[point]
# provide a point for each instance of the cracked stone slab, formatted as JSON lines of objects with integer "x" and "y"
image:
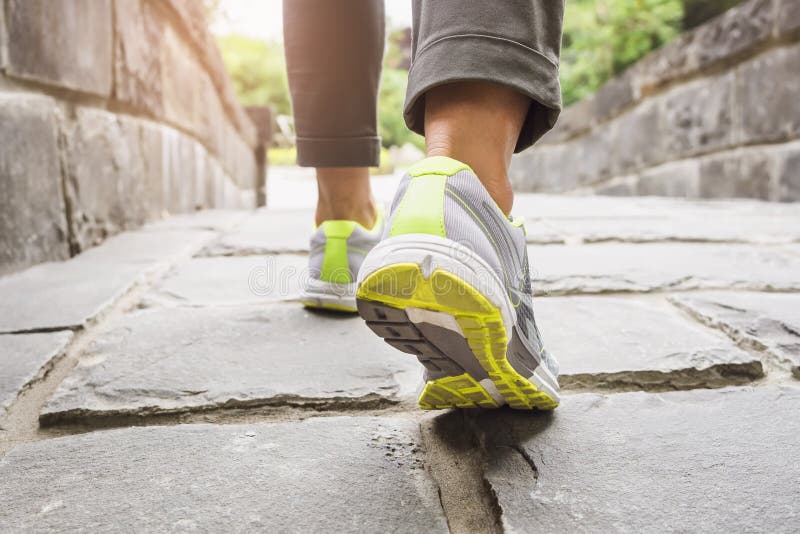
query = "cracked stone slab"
{"x": 338, "y": 474}
{"x": 764, "y": 321}
{"x": 264, "y": 232}
{"x": 694, "y": 461}
{"x": 228, "y": 280}
{"x": 26, "y": 358}
{"x": 71, "y": 293}
{"x": 173, "y": 360}
{"x": 638, "y": 343}
{"x": 647, "y": 267}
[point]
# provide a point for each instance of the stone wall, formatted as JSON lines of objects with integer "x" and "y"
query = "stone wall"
{"x": 716, "y": 113}
{"x": 113, "y": 113}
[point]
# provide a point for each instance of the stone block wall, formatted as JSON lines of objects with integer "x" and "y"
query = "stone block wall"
{"x": 113, "y": 113}
{"x": 715, "y": 113}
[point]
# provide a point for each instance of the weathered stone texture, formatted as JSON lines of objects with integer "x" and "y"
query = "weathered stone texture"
{"x": 338, "y": 474}
{"x": 736, "y": 174}
{"x": 638, "y": 140}
{"x": 183, "y": 81}
{"x": 33, "y": 227}
{"x": 107, "y": 187}
{"x": 692, "y": 225}
{"x": 234, "y": 280}
{"x": 735, "y": 32}
{"x": 68, "y": 44}
{"x": 69, "y": 294}
{"x": 611, "y": 267}
{"x": 788, "y": 174}
{"x": 3, "y": 40}
{"x": 677, "y": 179}
{"x": 137, "y": 62}
{"x": 24, "y": 358}
{"x": 264, "y": 232}
{"x": 788, "y": 16}
{"x": 699, "y": 117}
{"x": 767, "y": 96}
{"x": 768, "y": 322}
{"x": 636, "y": 462}
{"x": 231, "y": 357}
{"x": 614, "y": 97}
{"x": 637, "y": 344}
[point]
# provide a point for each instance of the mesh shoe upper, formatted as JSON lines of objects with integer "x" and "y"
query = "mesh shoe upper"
{"x": 338, "y": 248}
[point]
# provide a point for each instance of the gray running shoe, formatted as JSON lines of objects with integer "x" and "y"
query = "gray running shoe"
{"x": 449, "y": 283}
{"x": 337, "y": 250}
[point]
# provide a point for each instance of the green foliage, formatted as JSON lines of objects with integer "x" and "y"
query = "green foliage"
{"x": 258, "y": 70}
{"x": 603, "y": 37}
{"x": 390, "y": 110}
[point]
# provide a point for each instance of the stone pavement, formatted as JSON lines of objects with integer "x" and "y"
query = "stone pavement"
{"x": 167, "y": 380}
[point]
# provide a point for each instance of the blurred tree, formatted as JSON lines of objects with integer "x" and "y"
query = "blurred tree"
{"x": 390, "y": 110}
{"x": 398, "y": 49}
{"x": 258, "y": 70}
{"x": 603, "y": 37}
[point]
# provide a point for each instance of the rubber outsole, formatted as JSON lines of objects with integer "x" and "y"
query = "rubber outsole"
{"x": 329, "y": 296}
{"x": 384, "y": 297}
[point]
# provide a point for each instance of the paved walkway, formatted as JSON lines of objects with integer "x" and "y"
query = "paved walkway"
{"x": 167, "y": 381}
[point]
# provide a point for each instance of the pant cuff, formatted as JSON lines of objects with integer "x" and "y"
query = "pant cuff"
{"x": 339, "y": 151}
{"x": 492, "y": 59}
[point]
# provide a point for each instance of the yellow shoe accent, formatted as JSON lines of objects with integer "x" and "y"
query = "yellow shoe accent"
{"x": 402, "y": 285}
{"x": 461, "y": 391}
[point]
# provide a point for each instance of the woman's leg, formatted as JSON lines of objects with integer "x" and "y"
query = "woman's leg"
{"x": 334, "y": 52}
{"x": 484, "y": 81}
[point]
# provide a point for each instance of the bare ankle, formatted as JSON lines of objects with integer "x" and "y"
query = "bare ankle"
{"x": 477, "y": 123}
{"x": 345, "y": 194}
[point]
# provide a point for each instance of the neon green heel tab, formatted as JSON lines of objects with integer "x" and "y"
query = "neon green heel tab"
{"x": 439, "y": 165}
{"x": 421, "y": 211}
{"x": 335, "y": 268}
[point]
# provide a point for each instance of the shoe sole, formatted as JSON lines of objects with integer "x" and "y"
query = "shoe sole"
{"x": 387, "y": 295}
{"x": 323, "y": 295}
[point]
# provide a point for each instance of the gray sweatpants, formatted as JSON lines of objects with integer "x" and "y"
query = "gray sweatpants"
{"x": 334, "y": 50}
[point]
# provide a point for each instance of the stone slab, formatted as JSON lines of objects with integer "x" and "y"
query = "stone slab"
{"x": 217, "y": 220}
{"x": 137, "y": 55}
{"x": 233, "y": 280}
{"x": 25, "y": 358}
{"x": 690, "y": 225}
{"x": 699, "y": 117}
{"x": 3, "y": 40}
{"x": 647, "y": 219}
{"x": 647, "y": 267}
{"x": 105, "y": 188}
{"x": 71, "y": 293}
{"x": 341, "y": 474}
{"x": 768, "y": 322}
{"x": 787, "y": 183}
{"x": 766, "y": 101}
{"x": 67, "y": 44}
{"x": 33, "y": 227}
{"x": 266, "y": 231}
{"x": 637, "y": 343}
{"x": 700, "y": 461}
{"x": 172, "y": 360}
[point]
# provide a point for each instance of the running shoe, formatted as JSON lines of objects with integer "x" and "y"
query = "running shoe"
{"x": 337, "y": 250}
{"x": 449, "y": 283}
